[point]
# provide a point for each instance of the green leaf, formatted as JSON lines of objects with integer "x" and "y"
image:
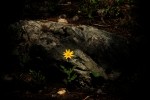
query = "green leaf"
{"x": 96, "y": 74}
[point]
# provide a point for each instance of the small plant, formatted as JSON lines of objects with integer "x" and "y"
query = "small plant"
{"x": 70, "y": 75}
{"x": 88, "y": 7}
{"x": 37, "y": 77}
{"x": 68, "y": 54}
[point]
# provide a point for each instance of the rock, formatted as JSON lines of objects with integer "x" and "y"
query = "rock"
{"x": 61, "y": 20}
{"x": 75, "y": 18}
{"x": 95, "y": 50}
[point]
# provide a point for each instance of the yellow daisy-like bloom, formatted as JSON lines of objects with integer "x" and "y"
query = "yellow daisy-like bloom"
{"x": 68, "y": 54}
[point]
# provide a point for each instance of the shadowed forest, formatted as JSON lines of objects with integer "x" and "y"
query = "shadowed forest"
{"x": 94, "y": 50}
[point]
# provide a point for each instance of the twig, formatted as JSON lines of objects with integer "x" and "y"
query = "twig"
{"x": 101, "y": 25}
{"x": 86, "y": 97}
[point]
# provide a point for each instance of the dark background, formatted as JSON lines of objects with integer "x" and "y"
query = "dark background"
{"x": 12, "y": 11}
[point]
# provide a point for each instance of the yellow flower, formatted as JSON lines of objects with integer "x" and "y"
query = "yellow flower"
{"x": 68, "y": 54}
